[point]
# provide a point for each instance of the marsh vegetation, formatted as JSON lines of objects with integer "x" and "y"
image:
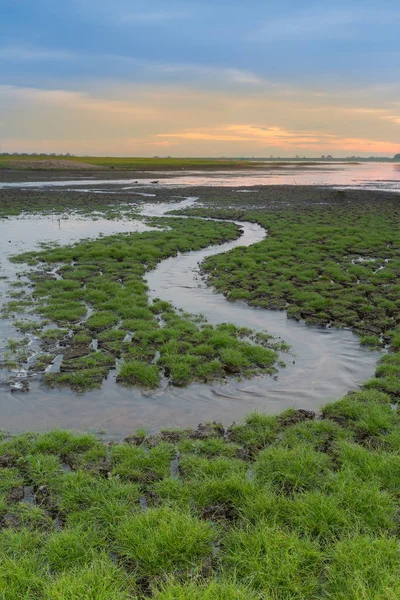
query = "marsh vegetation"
{"x": 277, "y": 507}
{"x": 15, "y": 202}
{"x": 335, "y": 265}
{"x": 96, "y": 313}
{"x": 37, "y": 163}
{"x": 290, "y": 507}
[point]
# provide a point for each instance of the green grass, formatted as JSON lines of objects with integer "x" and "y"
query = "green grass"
{"x": 281, "y": 507}
{"x": 72, "y": 547}
{"x": 274, "y": 507}
{"x": 336, "y": 264}
{"x": 274, "y": 562}
{"x": 85, "y": 379}
{"x": 213, "y": 590}
{"x": 139, "y": 373}
{"x": 101, "y": 320}
{"x": 99, "y": 580}
{"x": 164, "y": 541}
{"x": 364, "y": 567}
{"x": 101, "y": 296}
{"x": 292, "y": 469}
{"x": 122, "y": 163}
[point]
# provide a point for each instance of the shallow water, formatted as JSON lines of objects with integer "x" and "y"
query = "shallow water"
{"x": 22, "y": 234}
{"x": 369, "y": 176}
{"x": 327, "y": 362}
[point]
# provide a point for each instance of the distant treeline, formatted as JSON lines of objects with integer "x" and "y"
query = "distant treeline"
{"x": 67, "y": 154}
{"x": 274, "y": 158}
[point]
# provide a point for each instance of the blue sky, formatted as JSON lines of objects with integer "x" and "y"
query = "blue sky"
{"x": 200, "y": 78}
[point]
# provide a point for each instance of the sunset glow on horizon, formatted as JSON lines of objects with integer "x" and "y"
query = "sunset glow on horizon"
{"x": 200, "y": 78}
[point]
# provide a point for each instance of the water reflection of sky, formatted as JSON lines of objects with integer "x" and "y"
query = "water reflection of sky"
{"x": 373, "y": 176}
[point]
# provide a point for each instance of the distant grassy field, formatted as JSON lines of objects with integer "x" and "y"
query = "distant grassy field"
{"x": 119, "y": 163}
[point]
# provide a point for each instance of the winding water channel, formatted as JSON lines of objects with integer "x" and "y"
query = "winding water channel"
{"x": 325, "y": 365}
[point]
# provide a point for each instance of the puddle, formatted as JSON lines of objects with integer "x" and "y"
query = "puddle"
{"x": 326, "y": 365}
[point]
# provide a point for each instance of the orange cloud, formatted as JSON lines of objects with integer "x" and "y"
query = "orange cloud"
{"x": 285, "y": 138}
{"x": 132, "y": 120}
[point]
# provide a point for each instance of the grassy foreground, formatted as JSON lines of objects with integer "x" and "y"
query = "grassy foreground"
{"x": 282, "y": 508}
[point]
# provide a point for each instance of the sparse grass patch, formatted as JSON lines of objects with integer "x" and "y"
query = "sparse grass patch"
{"x": 139, "y": 373}
{"x": 162, "y": 541}
{"x": 85, "y": 379}
{"x": 258, "y": 431}
{"x": 101, "y": 320}
{"x": 364, "y": 567}
{"x": 277, "y": 563}
{"x": 335, "y": 264}
{"x": 292, "y": 470}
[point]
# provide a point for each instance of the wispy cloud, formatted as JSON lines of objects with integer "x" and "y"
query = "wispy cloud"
{"x": 80, "y": 101}
{"x": 140, "y": 69}
{"x": 308, "y": 25}
{"x": 324, "y": 23}
{"x": 393, "y": 118}
{"x": 156, "y": 16}
{"x": 26, "y": 53}
{"x": 209, "y": 73}
{"x": 378, "y": 113}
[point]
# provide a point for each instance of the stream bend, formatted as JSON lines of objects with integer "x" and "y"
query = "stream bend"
{"x": 328, "y": 362}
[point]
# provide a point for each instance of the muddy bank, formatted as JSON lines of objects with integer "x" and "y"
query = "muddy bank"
{"x": 22, "y": 175}
{"x": 275, "y": 197}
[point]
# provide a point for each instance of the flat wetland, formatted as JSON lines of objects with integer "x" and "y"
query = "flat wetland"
{"x": 298, "y": 290}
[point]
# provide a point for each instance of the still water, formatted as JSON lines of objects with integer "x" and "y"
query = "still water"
{"x": 371, "y": 176}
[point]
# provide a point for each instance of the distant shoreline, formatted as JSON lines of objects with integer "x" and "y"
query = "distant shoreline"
{"x": 138, "y": 165}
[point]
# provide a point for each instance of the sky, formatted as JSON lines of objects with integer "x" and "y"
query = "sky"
{"x": 200, "y": 78}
